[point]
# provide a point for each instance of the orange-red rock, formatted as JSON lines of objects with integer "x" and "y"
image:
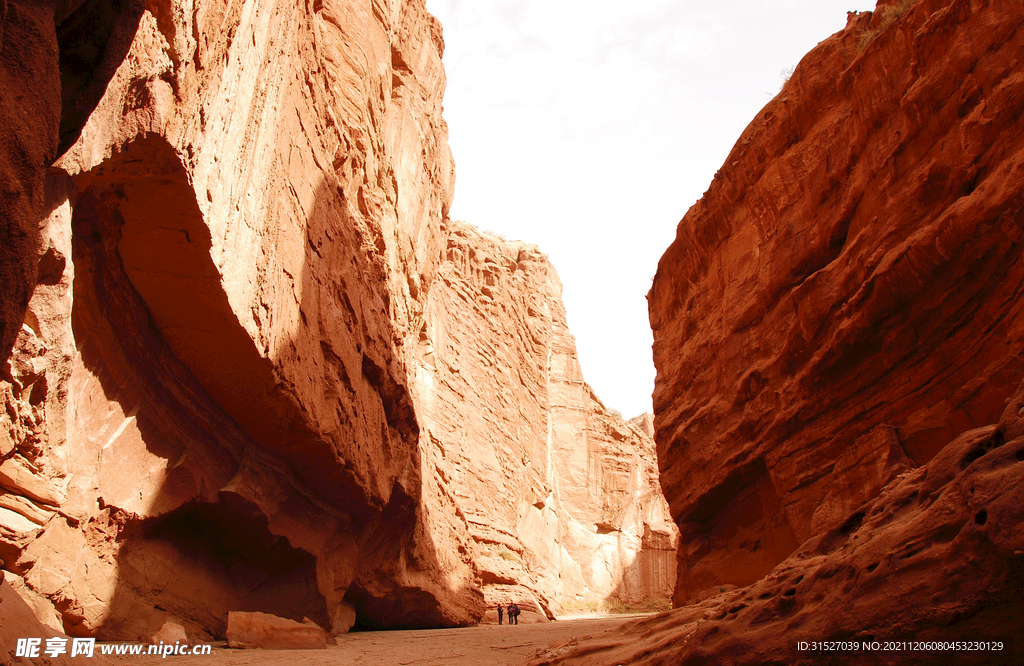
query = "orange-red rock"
{"x": 848, "y": 294}
{"x": 171, "y": 633}
{"x": 55, "y": 61}
{"x": 19, "y": 620}
{"x": 269, "y": 632}
{"x": 937, "y": 557}
{"x": 843, "y": 302}
{"x": 208, "y": 409}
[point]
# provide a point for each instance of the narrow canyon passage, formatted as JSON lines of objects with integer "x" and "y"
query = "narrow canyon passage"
{"x": 271, "y": 375}
{"x": 266, "y": 392}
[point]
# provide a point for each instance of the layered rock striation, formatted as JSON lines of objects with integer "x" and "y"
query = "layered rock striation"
{"x": 847, "y": 296}
{"x": 208, "y": 406}
{"x": 241, "y": 382}
{"x": 561, "y": 497}
{"x": 838, "y": 407}
{"x": 56, "y": 59}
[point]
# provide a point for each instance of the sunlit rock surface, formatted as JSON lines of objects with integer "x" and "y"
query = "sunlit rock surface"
{"x": 224, "y": 393}
{"x": 56, "y": 59}
{"x": 209, "y": 398}
{"x": 838, "y": 339}
{"x": 561, "y": 497}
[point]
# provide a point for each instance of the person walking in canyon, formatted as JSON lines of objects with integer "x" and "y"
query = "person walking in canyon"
{"x": 500, "y": 610}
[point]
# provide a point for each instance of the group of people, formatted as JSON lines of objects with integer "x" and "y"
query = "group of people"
{"x": 513, "y": 613}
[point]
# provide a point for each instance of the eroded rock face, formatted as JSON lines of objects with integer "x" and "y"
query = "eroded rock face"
{"x": 937, "y": 556}
{"x": 241, "y": 382}
{"x": 18, "y": 619}
{"x": 55, "y": 61}
{"x": 847, "y": 296}
{"x": 561, "y": 497}
{"x": 210, "y": 407}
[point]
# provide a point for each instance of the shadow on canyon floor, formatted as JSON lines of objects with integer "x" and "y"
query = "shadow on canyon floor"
{"x": 468, "y": 646}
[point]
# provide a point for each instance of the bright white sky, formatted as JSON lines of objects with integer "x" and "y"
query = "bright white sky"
{"x": 589, "y": 127}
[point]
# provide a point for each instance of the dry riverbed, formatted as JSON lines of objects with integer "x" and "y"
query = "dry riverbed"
{"x": 488, "y": 644}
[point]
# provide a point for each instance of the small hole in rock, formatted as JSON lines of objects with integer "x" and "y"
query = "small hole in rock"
{"x": 998, "y": 439}
{"x": 852, "y": 523}
{"x": 766, "y": 595}
{"x": 981, "y": 517}
{"x": 798, "y": 579}
{"x": 1020, "y": 454}
{"x": 872, "y": 567}
{"x": 971, "y": 456}
{"x": 789, "y": 593}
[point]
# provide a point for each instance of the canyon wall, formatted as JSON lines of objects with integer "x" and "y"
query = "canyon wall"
{"x": 56, "y": 59}
{"x": 260, "y": 369}
{"x": 209, "y": 408}
{"x": 935, "y": 560}
{"x": 839, "y": 410}
{"x": 561, "y": 497}
{"x": 848, "y": 295}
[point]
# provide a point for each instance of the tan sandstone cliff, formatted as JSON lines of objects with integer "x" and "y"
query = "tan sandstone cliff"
{"x": 222, "y": 394}
{"x": 214, "y": 377}
{"x": 561, "y": 497}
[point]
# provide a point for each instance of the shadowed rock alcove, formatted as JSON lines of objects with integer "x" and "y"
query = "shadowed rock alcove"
{"x": 202, "y": 517}
{"x": 216, "y": 493}
{"x": 204, "y": 560}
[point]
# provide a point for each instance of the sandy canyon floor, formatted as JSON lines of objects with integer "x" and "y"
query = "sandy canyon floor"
{"x": 484, "y": 644}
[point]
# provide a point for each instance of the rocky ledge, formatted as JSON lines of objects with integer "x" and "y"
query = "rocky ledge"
{"x": 937, "y": 557}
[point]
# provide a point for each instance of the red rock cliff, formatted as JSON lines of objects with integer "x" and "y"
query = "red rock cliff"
{"x": 934, "y": 563}
{"x": 56, "y": 59}
{"x": 847, "y": 296}
{"x": 838, "y": 336}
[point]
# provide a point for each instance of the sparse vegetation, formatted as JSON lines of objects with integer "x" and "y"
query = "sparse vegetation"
{"x": 574, "y": 606}
{"x": 891, "y": 13}
{"x": 786, "y": 74}
{"x": 504, "y": 554}
{"x": 888, "y": 15}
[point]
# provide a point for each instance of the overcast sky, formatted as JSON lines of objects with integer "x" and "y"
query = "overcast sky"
{"x": 589, "y": 127}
